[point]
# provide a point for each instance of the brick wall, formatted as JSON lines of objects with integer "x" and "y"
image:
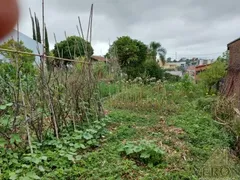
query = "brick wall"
{"x": 234, "y": 53}
{"x": 233, "y": 77}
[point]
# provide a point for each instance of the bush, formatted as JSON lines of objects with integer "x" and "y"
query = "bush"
{"x": 224, "y": 109}
{"x": 101, "y": 70}
{"x": 171, "y": 78}
{"x": 108, "y": 89}
{"x": 152, "y": 69}
{"x": 143, "y": 151}
{"x": 53, "y": 158}
{"x": 227, "y": 114}
{"x": 213, "y": 75}
{"x": 206, "y": 104}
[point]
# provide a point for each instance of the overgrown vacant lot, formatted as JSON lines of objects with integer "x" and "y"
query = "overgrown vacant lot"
{"x": 157, "y": 131}
{"x": 152, "y": 130}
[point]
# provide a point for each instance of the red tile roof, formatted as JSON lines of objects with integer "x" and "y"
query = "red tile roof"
{"x": 99, "y": 58}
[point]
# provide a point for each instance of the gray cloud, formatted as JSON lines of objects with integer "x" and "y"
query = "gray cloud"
{"x": 188, "y": 27}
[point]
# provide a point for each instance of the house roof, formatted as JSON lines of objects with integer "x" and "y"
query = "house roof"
{"x": 233, "y": 41}
{"x": 191, "y": 68}
{"x": 99, "y": 58}
{"x": 203, "y": 65}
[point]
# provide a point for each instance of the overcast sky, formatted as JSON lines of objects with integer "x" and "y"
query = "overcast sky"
{"x": 190, "y": 28}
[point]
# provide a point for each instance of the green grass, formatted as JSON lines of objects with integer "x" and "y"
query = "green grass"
{"x": 108, "y": 89}
{"x": 188, "y": 135}
{"x": 181, "y": 127}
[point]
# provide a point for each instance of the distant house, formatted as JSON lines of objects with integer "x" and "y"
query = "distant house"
{"x": 175, "y": 73}
{"x": 28, "y": 42}
{"x": 172, "y": 65}
{"x": 193, "y": 71}
{"x": 99, "y": 59}
{"x": 205, "y": 61}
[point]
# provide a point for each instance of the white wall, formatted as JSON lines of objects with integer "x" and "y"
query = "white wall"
{"x": 176, "y": 73}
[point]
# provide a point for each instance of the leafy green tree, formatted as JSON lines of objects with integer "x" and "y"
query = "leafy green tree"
{"x": 156, "y": 48}
{"x": 24, "y": 62}
{"x": 224, "y": 57}
{"x": 72, "y": 47}
{"x": 131, "y": 55}
{"x": 213, "y": 74}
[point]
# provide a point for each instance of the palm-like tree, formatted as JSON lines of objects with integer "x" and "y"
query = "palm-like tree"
{"x": 156, "y": 48}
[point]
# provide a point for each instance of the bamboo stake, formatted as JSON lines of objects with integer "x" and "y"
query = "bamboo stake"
{"x": 55, "y": 38}
{"x": 43, "y": 36}
{"x": 65, "y": 33}
{"x": 80, "y": 24}
{"x": 32, "y": 54}
{"x": 91, "y": 24}
{"x": 84, "y": 48}
{"x": 26, "y": 119}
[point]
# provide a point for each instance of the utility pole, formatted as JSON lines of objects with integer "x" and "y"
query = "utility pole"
{"x": 176, "y": 56}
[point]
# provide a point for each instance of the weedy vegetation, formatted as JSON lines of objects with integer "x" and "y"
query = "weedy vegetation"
{"x": 84, "y": 120}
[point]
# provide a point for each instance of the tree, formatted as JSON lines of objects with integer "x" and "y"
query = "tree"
{"x": 156, "y": 48}
{"x": 24, "y": 62}
{"x": 37, "y": 37}
{"x": 47, "y": 51}
{"x": 38, "y": 31}
{"x": 131, "y": 55}
{"x": 33, "y": 28}
{"x": 213, "y": 74}
{"x": 169, "y": 59}
{"x": 71, "y": 48}
{"x": 224, "y": 57}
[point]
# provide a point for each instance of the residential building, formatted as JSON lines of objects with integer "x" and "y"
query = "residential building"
{"x": 175, "y": 73}
{"x": 172, "y": 65}
{"x": 193, "y": 71}
{"x": 205, "y": 61}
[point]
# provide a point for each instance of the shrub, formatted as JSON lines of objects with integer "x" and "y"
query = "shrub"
{"x": 213, "y": 75}
{"x": 108, "y": 89}
{"x": 143, "y": 151}
{"x": 171, "y": 78}
{"x": 101, "y": 70}
{"x": 53, "y": 158}
{"x": 224, "y": 109}
{"x": 206, "y": 103}
{"x": 227, "y": 114}
{"x": 152, "y": 69}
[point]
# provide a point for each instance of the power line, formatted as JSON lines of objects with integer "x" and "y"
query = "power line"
{"x": 174, "y": 54}
{"x": 195, "y": 54}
